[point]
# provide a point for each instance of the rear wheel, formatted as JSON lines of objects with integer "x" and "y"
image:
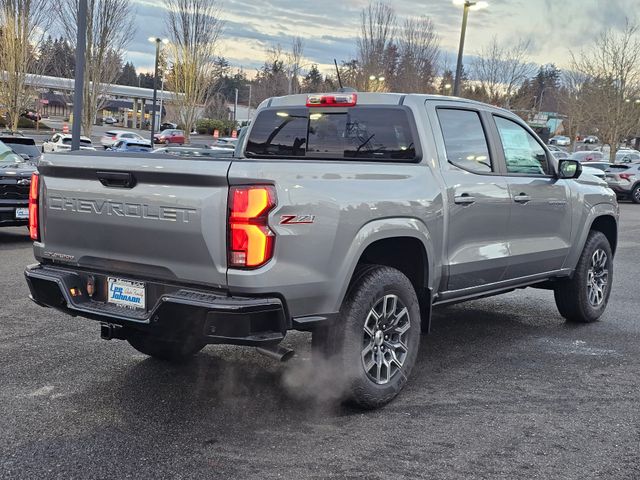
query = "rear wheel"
{"x": 635, "y": 194}
{"x": 164, "y": 349}
{"x": 584, "y": 298}
{"x": 374, "y": 343}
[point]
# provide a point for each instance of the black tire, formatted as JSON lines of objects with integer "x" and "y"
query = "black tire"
{"x": 345, "y": 341}
{"x": 176, "y": 351}
{"x": 635, "y": 194}
{"x": 573, "y": 295}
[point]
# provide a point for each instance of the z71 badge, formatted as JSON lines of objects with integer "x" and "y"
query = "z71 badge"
{"x": 297, "y": 219}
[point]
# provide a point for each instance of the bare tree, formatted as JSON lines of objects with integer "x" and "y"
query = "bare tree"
{"x": 194, "y": 27}
{"x": 294, "y": 60}
{"x": 23, "y": 24}
{"x": 418, "y": 52}
{"x": 109, "y": 31}
{"x": 611, "y": 68}
{"x": 376, "y": 49}
{"x": 500, "y": 70}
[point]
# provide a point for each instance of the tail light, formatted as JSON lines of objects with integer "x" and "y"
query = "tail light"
{"x": 250, "y": 238}
{"x": 34, "y": 193}
{"x": 626, "y": 176}
{"x": 334, "y": 100}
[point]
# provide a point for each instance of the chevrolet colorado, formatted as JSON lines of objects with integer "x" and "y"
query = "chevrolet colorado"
{"x": 348, "y": 215}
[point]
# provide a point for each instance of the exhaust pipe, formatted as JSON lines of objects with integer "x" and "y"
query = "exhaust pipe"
{"x": 277, "y": 352}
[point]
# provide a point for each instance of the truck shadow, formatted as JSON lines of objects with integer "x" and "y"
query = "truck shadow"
{"x": 229, "y": 390}
{"x": 11, "y": 236}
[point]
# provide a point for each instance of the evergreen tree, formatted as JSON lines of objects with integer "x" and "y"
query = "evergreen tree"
{"x": 128, "y": 76}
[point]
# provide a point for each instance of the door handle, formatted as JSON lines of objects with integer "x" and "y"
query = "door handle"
{"x": 522, "y": 198}
{"x": 464, "y": 199}
{"x": 117, "y": 179}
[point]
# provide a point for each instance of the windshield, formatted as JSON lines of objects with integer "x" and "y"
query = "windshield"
{"x": 370, "y": 133}
{"x": 7, "y": 155}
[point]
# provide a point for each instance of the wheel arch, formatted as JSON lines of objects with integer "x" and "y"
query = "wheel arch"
{"x": 401, "y": 243}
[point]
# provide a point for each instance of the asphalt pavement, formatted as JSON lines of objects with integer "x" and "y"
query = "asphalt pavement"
{"x": 503, "y": 389}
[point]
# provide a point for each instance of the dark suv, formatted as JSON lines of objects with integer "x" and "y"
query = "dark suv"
{"x": 15, "y": 181}
{"x": 24, "y": 146}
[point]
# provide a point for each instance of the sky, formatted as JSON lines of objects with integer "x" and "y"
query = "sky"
{"x": 330, "y": 27}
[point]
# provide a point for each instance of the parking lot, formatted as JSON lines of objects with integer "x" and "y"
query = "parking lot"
{"x": 503, "y": 389}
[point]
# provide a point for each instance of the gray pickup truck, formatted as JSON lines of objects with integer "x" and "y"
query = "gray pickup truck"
{"x": 347, "y": 215}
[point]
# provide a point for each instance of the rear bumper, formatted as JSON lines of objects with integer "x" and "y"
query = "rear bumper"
{"x": 176, "y": 311}
{"x": 8, "y": 213}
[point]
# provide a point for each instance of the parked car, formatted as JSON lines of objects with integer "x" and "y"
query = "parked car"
{"x": 110, "y": 120}
{"x": 31, "y": 115}
{"x": 627, "y": 156}
{"x": 170, "y": 136}
{"x": 624, "y": 180}
{"x": 591, "y": 139}
{"x": 195, "y": 152}
{"x": 131, "y": 146}
{"x": 560, "y": 140}
{"x": 603, "y": 166}
{"x": 596, "y": 172}
{"x": 24, "y": 146}
{"x": 61, "y": 142}
{"x": 15, "y": 182}
{"x": 112, "y": 136}
{"x": 587, "y": 156}
{"x": 225, "y": 142}
{"x": 348, "y": 222}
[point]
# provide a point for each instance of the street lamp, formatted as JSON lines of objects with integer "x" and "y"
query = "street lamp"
{"x": 447, "y": 88}
{"x": 157, "y": 41}
{"x": 468, "y": 5}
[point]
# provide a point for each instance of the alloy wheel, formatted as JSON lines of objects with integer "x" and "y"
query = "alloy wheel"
{"x": 384, "y": 342}
{"x": 598, "y": 278}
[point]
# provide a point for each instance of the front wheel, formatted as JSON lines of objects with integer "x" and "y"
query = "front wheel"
{"x": 635, "y": 194}
{"x": 373, "y": 345}
{"x": 584, "y": 297}
{"x": 163, "y": 349}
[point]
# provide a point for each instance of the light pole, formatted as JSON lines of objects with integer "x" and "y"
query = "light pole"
{"x": 78, "y": 86}
{"x": 468, "y": 5}
{"x": 157, "y": 41}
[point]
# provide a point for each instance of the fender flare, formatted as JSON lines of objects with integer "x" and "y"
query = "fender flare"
{"x": 598, "y": 210}
{"x": 383, "y": 229}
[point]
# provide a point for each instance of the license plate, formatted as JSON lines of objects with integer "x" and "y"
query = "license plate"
{"x": 22, "y": 213}
{"x": 127, "y": 293}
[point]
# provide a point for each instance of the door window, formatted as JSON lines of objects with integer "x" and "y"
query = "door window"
{"x": 522, "y": 152}
{"x": 464, "y": 140}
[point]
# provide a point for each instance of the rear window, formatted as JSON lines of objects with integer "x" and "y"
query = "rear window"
{"x": 363, "y": 133}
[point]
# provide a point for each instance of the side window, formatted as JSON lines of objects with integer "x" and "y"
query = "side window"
{"x": 522, "y": 152}
{"x": 464, "y": 140}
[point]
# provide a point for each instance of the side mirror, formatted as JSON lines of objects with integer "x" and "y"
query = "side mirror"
{"x": 568, "y": 169}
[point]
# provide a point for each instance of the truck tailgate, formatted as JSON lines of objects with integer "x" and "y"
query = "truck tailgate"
{"x": 168, "y": 223}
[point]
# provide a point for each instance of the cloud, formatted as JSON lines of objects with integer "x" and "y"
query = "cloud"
{"x": 330, "y": 28}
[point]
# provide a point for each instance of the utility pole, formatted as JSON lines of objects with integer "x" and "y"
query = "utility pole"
{"x": 155, "y": 89}
{"x": 249, "y": 106}
{"x": 235, "y": 109}
{"x": 78, "y": 88}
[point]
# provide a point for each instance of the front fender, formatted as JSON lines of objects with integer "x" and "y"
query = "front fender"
{"x": 381, "y": 230}
{"x": 599, "y": 210}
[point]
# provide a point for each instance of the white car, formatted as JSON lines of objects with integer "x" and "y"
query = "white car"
{"x": 61, "y": 142}
{"x": 596, "y": 172}
{"x": 112, "y": 136}
{"x": 560, "y": 140}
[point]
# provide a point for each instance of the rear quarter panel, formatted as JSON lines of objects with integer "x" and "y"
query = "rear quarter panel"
{"x": 353, "y": 205}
